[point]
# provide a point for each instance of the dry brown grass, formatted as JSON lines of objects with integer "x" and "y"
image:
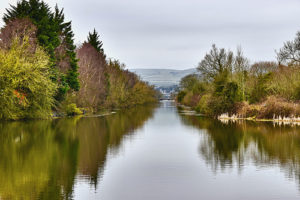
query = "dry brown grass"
{"x": 268, "y": 109}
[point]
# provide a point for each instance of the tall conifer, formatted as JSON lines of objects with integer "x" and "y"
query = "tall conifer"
{"x": 93, "y": 39}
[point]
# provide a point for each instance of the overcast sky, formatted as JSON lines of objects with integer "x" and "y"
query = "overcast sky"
{"x": 177, "y": 33}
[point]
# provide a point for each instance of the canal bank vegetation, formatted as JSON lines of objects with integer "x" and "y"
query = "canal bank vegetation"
{"x": 229, "y": 86}
{"x": 43, "y": 72}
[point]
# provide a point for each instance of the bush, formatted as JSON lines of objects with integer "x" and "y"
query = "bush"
{"x": 26, "y": 90}
{"x": 272, "y": 106}
{"x": 223, "y": 99}
{"x": 180, "y": 96}
{"x": 72, "y": 110}
{"x": 244, "y": 110}
{"x": 277, "y": 107}
{"x": 202, "y": 106}
{"x": 187, "y": 100}
{"x": 285, "y": 83}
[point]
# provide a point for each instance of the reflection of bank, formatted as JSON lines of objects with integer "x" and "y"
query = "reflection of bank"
{"x": 234, "y": 144}
{"x": 40, "y": 159}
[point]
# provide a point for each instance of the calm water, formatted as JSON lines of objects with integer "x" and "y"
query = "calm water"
{"x": 148, "y": 153}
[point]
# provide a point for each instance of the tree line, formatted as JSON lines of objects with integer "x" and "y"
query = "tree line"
{"x": 227, "y": 82}
{"x": 41, "y": 69}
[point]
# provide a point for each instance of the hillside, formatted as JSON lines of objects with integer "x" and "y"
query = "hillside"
{"x": 163, "y": 77}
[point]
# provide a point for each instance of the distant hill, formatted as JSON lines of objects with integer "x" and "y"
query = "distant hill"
{"x": 162, "y": 77}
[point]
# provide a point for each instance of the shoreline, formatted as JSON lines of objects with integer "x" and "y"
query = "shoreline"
{"x": 186, "y": 110}
{"x": 274, "y": 119}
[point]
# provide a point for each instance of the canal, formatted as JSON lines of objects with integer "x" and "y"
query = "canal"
{"x": 148, "y": 153}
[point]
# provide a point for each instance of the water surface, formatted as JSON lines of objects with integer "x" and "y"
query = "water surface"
{"x": 148, "y": 153}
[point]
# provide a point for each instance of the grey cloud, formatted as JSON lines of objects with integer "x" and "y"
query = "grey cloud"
{"x": 177, "y": 33}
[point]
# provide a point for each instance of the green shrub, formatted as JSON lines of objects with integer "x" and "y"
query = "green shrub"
{"x": 202, "y": 106}
{"x": 180, "y": 96}
{"x": 72, "y": 110}
{"x": 224, "y": 98}
{"x": 187, "y": 100}
{"x": 26, "y": 90}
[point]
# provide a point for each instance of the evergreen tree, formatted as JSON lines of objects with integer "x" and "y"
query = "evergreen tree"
{"x": 93, "y": 39}
{"x": 53, "y": 33}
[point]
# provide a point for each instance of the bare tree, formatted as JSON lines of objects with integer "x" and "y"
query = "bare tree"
{"x": 290, "y": 52}
{"x": 18, "y": 28}
{"x": 215, "y": 62}
{"x": 92, "y": 68}
{"x": 261, "y": 68}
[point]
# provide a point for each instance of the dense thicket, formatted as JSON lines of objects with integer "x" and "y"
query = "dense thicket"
{"x": 125, "y": 88}
{"x": 106, "y": 83}
{"x": 41, "y": 69}
{"x": 26, "y": 88}
{"x": 55, "y": 36}
{"x": 227, "y": 83}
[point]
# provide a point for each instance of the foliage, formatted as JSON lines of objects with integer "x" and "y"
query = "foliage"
{"x": 203, "y": 104}
{"x": 106, "y": 84}
{"x": 72, "y": 110}
{"x": 227, "y": 81}
{"x": 125, "y": 89}
{"x": 224, "y": 98}
{"x": 26, "y": 88}
{"x": 285, "y": 83}
{"x": 192, "y": 83}
{"x": 258, "y": 89}
{"x": 181, "y": 94}
{"x": 44, "y": 51}
{"x": 219, "y": 86}
{"x": 241, "y": 67}
{"x": 93, "y": 39}
{"x": 53, "y": 34}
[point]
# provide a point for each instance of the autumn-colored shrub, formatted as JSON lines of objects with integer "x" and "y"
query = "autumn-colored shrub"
{"x": 277, "y": 107}
{"x": 268, "y": 109}
{"x": 246, "y": 110}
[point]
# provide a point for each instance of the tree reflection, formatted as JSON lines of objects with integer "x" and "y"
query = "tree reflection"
{"x": 40, "y": 159}
{"x": 224, "y": 146}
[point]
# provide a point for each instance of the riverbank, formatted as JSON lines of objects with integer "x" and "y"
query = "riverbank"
{"x": 271, "y": 110}
{"x": 89, "y": 112}
{"x": 278, "y": 120}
